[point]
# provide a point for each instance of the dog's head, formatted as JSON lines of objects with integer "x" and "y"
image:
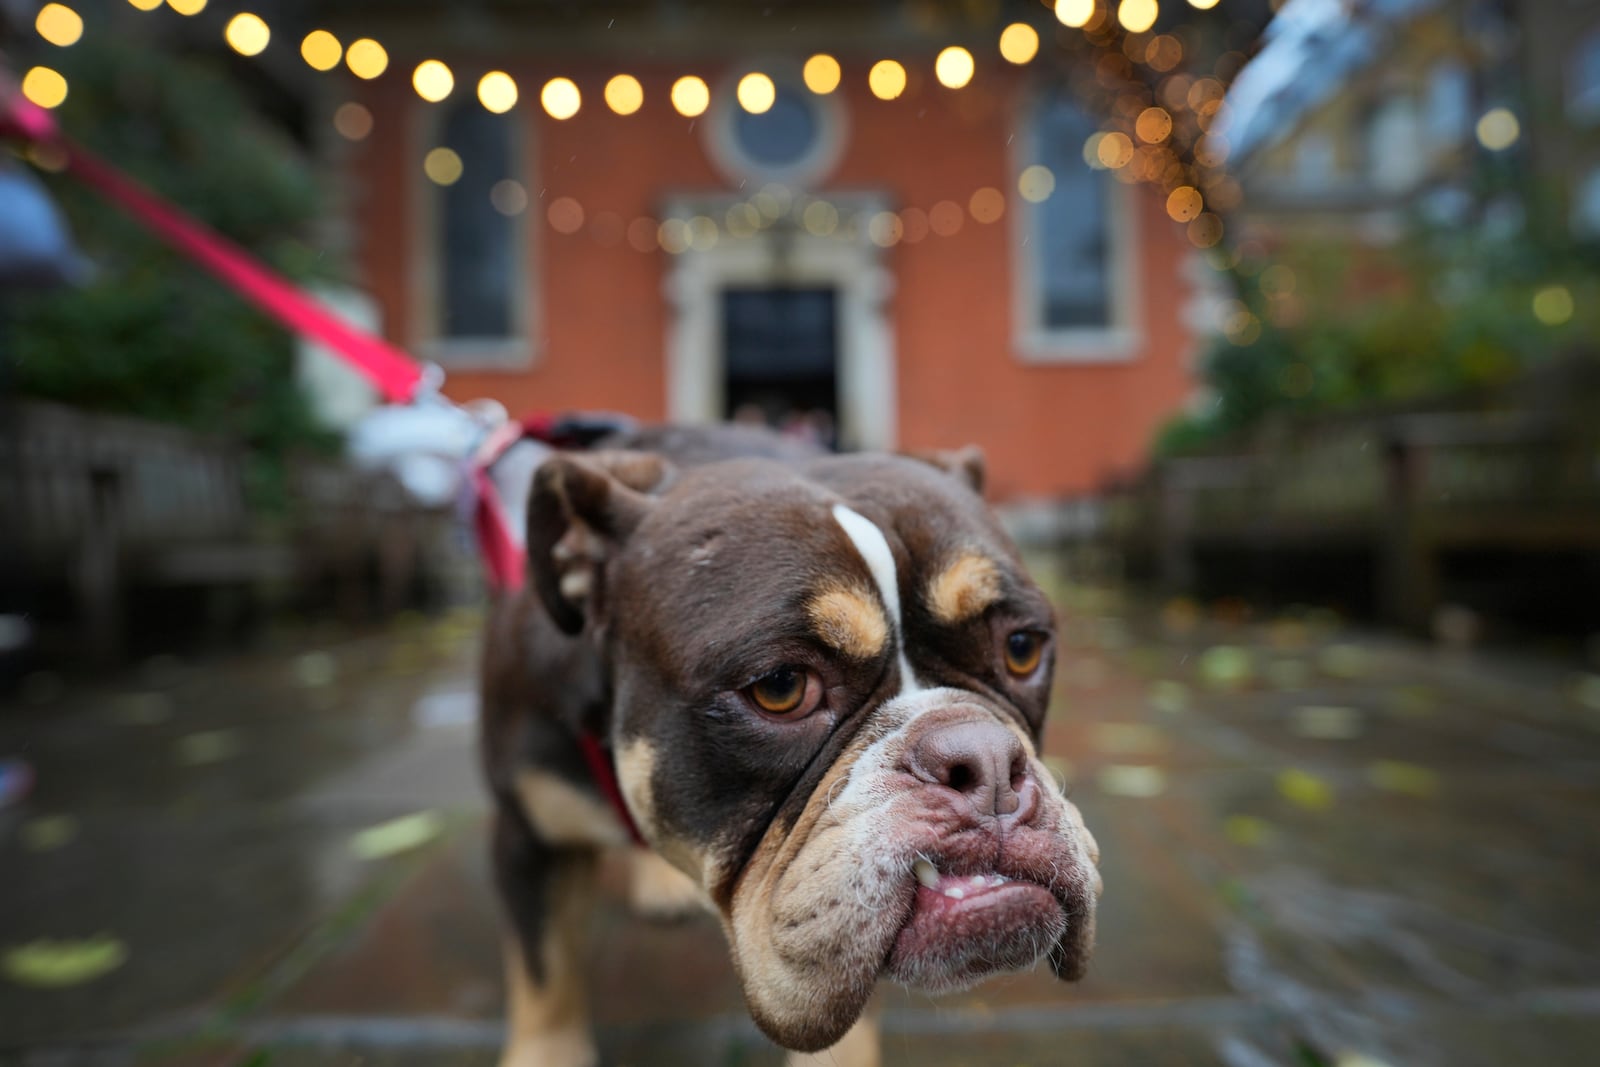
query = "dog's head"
{"x": 829, "y": 682}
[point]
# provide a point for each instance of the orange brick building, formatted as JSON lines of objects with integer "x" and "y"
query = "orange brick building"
{"x": 930, "y": 270}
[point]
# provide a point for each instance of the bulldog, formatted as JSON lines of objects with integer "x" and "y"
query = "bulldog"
{"x": 821, "y": 682}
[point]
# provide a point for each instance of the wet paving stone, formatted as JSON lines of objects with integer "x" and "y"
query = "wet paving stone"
{"x": 1318, "y": 845}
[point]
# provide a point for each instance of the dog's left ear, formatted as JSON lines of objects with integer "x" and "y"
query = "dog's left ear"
{"x": 583, "y": 508}
{"x": 965, "y": 463}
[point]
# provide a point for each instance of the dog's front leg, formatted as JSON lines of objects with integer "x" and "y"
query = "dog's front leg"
{"x": 547, "y": 894}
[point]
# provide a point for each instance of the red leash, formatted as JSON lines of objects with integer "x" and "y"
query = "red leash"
{"x": 394, "y": 373}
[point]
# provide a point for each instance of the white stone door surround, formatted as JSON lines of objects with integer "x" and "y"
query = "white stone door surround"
{"x": 784, "y": 254}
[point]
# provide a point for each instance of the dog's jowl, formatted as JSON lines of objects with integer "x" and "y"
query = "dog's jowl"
{"x": 819, "y": 682}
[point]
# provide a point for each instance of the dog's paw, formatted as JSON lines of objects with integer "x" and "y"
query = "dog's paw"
{"x": 572, "y": 1047}
{"x": 657, "y": 890}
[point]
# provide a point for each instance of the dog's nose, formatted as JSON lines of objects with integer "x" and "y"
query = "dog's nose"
{"x": 982, "y": 760}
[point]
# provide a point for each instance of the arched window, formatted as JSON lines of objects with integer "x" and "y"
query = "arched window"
{"x": 478, "y": 292}
{"x": 1075, "y": 241}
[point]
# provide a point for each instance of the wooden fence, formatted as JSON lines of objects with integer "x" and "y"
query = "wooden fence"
{"x": 1396, "y": 494}
{"x": 99, "y": 508}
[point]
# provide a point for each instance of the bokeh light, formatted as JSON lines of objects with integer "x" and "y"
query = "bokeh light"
{"x": 1036, "y": 183}
{"x": 1184, "y": 203}
{"x": 442, "y": 166}
{"x": 1074, "y": 13}
{"x": 821, "y": 74}
{"x": 946, "y": 218}
{"x": 366, "y": 58}
{"x": 987, "y": 204}
{"x": 187, "y": 7}
{"x": 146, "y": 5}
{"x": 321, "y": 50}
{"x": 642, "y": 234}
{"x": 756, "y": 93}
{"x": 887, "y": 79}
{"x": 1019, "y": 43}
{"x": 1115, "y": 150}
{"x": 884, "y": 229}
{"x": 913, "y": 225}
{"x": 1136, "y": 16}
{"x": 44, "y": 87}
{"x": 497, "y": 91}
{"x": 954, "y": 67}
{"x": 1203, "y": 5}
{"x": 508, "y": 197}
{"x": 432, "y": 80}
{"x": 247, "y": 34}
{"x": 1552, "y": 305}
{"x": 565, "y": 215}
{"x": 353, "y": 121}
{"x": 820, "y": 218}
{"x": 560, "y": 98}
{"x": 624, "y": 95}
{"x": 1205, "y": 231}
{"x": 59, "y": 24}
{"x": 1498, "y": 129}
{"x": 702, "y": 233}
{"x": 1154, "y": 125}
{"x": 690, "y": 97}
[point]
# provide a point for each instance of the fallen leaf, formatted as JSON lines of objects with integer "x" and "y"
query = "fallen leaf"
{"x": 1169, "y": 698}
{"x": 1246, "y": 830}
{"x": 1323, "y": 722}
{"x": 1131, "y": 780}
{"x": 208, "y": 746}
{"x": 315, "y": 669}
{"x": 59, "y": 964}
{"x": 49, "y": 832}
{"x": 1289, "y": 673}
{"x": 1305, "y": 790}
{"x": 1395, "y": 776}
{"x": 397, "y": 835}
{"x": 1126, "y": 738}
{"x": 1345, "y": 661}
{"x": 1226, "y": 667}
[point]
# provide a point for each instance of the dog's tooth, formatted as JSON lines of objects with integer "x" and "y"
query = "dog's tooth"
{"x": 979, "y": 881}
{"x": 955, "y": 892}
{"x": 925, "y": 872}
{"x": 998, "y": 879}
{"x": 575, "y": 585}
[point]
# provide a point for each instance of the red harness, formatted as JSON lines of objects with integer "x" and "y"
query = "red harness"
{"x": 392, "y": 371}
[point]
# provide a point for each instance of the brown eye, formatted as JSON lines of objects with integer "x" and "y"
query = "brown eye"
{"x": 788, "y": 693}
{"x": 1023, "y": 652}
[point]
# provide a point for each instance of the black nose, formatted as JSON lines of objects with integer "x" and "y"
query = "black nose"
{"x": 982, "y": 760}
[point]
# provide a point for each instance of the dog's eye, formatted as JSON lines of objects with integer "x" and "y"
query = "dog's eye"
{"x": 786, "y": 693}
{"x": 1024, "y": 649}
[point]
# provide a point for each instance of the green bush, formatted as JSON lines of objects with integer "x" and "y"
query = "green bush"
{"x": 151, "y": 334}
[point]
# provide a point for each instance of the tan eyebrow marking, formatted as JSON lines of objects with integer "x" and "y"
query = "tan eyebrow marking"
{"x": 849, "y": 619}
{"x": 968, "y": 587}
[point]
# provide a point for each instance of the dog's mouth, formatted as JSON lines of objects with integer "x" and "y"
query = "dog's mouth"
{"x": 963, "y": 927}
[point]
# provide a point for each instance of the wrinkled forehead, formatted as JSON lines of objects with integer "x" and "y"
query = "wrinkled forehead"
{"x": 753, "y": 548}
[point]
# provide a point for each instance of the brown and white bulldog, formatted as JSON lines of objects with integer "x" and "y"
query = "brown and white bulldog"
{"x": 822, "y": 680}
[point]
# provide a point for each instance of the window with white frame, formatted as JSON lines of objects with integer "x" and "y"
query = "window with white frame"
{"x": 1072, "y": 290}
{"x": 477, "y": 293}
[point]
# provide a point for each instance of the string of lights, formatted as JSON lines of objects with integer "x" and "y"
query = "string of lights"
{"x": 1142, "y": 154}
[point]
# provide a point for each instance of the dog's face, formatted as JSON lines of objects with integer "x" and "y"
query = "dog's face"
{"x": 829, "y": 684}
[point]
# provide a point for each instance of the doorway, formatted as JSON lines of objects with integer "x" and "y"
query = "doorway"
{"x": 781, "y": 358}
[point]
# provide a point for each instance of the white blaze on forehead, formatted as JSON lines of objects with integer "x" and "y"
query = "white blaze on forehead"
{"x": 874, "y": 549}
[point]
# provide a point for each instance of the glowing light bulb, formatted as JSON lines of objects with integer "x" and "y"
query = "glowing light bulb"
{"x": 497, "y": 92}
{"x": 756, "y": 93}
{"x": 954, "y": 67}
{"x": 624, "y": 94}
{"x": 247, "y": 34}
{"x": 886, "y": 79}
{"x": 1019, "y": 43}
{"x": 321, "y": 50}
{"x": 560, "y": 98}
{"x": 432, "y": 80}
{"x": 822, "y": 74}
{"x": 366, "y": 58}
{"x": 690, "y": 97}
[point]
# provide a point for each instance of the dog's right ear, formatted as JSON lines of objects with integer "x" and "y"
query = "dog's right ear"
{"x": 582, "y": 510}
